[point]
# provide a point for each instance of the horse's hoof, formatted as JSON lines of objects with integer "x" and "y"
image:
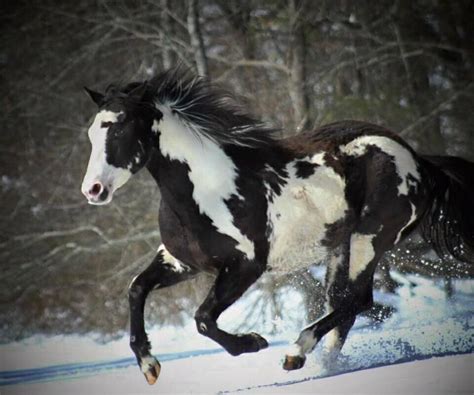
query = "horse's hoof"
{"x": 259, "y": 341}
{"x": 151, "y": 368}
{"x": 249, "y": 342}
{"x": 293, "y": 362}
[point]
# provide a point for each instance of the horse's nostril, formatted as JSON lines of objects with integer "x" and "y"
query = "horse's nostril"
{"x": 104, "y": 194}
{"x": 96, "y": 189}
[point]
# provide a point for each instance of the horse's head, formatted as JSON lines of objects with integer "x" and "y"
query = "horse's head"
{"x": 121, "y": 140}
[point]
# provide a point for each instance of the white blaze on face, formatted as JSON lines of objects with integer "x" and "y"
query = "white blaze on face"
{"x": 98, "y": 170}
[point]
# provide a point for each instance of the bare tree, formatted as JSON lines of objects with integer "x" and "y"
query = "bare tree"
{"x": 195, "y": 36}
{"x": 167, "y": 31}
{"x": 297, "y": 50}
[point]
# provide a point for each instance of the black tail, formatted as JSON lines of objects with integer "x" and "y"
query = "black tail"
{"x": 448, "y": 224}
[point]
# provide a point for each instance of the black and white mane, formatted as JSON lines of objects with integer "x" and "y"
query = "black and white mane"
{"x": 237, "y": 202}
{"x": 208, "y": 109}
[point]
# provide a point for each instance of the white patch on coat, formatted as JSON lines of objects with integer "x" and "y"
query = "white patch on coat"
{"x": 410, "y": 221}
{"x": 155, "y": 126}
{"x": 298, "y": 216}
{"x": 177, "y": 265}
{"x": 146, "y": 363}
{"x": 332, "y": 341}
{"x": 305, "y": 344}
{"x": 212, "y": 174}
{"x": 332, "y": 267}
{"x": 331, "y": 350}
{"x": 403, "y": 159}
{"x": 361, "y": 253}
{"x": 98, "y": 170}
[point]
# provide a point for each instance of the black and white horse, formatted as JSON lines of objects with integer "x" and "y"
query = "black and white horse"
{"x": 236, "y": 202}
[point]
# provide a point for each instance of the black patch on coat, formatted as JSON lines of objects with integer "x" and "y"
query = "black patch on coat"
{"x": 305, "y": 169}
{"x": 249, "y": 210}
{"x": 205, "y": 249}
{"x": 275, "y": 180}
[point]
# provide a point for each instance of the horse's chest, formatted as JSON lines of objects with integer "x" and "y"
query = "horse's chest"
{"x": 298, "y": 218}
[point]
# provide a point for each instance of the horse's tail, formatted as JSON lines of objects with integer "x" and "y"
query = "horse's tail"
{"x": 448, "y": 224}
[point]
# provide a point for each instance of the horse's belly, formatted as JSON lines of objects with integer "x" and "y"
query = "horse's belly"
{"x": 300, "y": 245}
{"x": 300, "y": 216}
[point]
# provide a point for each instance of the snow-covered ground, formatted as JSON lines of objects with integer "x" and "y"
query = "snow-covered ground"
{"x": 426, "y": 346}
{"x": 220, "y": 373}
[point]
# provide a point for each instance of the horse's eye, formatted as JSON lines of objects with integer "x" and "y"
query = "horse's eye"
{"x": 106, "y": 124}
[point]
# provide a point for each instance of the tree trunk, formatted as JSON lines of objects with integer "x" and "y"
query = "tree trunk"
{"x": 195, "y": 36}
{"x": 297, "y": 80}
{"x": 167, "y": 30}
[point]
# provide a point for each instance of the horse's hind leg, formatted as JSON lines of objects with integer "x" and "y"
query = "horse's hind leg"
{"x": 337, "y": 282}
{"x": 232, "y": 281}
{"x": 164, "y": 271}
{"x": 349, "y": 292}
{"x": 340, "y": 320}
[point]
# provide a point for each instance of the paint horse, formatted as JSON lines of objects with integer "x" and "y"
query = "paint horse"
{"x": 236, "y": 201}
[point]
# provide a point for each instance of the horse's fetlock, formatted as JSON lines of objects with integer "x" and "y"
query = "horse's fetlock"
{"x": 140, "y": 346}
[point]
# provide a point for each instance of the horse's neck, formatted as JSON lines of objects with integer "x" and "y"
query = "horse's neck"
{"x": 189, "y": 165}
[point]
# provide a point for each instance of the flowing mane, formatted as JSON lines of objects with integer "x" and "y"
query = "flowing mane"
{"x": 207, "y": 109}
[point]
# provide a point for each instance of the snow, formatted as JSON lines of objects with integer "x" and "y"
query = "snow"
{"x": 426, "y": 346}
{"x": 221, "y": 373}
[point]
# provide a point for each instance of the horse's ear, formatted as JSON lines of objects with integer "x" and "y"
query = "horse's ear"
{"x": 97, "y": 98}
{"x": 136, "y": 94}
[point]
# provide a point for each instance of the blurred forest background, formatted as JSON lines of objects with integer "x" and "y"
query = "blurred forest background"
{"x": 65, "y": 265}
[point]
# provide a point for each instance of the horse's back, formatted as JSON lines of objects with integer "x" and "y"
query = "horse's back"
{"x": 333, "y": 136}
{"x": 370, "y": 158}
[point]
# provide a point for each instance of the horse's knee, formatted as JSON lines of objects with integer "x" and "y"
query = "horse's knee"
{"x": 136, "y": 289}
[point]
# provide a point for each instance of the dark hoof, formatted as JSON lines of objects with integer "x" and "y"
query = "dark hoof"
{"x": 250, "y": 342}
{"x": 259, "y": 341}
{"x": 293, "y": 362}
{"x": 151, "y": 368}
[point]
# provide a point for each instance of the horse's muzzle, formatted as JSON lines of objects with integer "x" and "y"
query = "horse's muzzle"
{"x": 97, "y": 194}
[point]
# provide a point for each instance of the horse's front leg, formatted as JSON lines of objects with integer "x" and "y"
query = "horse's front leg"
{"x": 232, "y": 281}
{"x": 164, "y": 271}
